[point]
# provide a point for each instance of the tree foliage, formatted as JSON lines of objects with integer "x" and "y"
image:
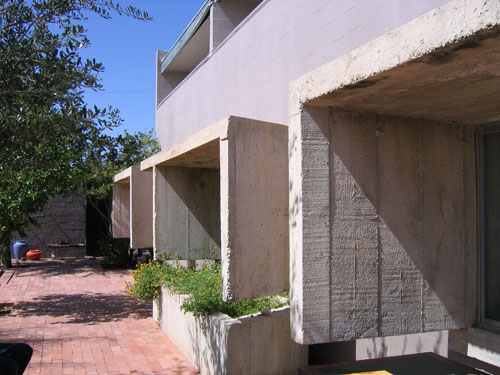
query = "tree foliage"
{"x": 47, "y": 132}
{"x": 114, "y": 155}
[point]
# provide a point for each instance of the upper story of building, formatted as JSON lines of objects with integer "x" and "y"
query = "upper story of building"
{"x": 237, "y": 57}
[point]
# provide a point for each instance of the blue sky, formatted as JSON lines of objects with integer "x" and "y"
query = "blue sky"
{"x": 127, "y": 49}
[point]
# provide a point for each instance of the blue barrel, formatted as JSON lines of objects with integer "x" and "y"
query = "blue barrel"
{"x": 19, "y": 248}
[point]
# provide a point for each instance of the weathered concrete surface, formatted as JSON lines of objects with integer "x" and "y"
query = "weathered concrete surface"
{"x": 141, "y": 209}
{"x": 254, "y": 209}
{"x": 383, "y": 223}
{"x": 226, "y": 187}
{"x": 187, "y": 212}
{"x": 255, "y": 344}
{"x": 383, "y": 250}
{"x": 446, "y": 71}
{"x": 121, "y": 209}
{"x": 132, "y": 213}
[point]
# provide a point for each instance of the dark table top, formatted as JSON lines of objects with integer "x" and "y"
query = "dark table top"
{"x": 415, "y": 364}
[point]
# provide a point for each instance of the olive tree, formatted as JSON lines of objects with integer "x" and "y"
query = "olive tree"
{"x": 47, "y": 132}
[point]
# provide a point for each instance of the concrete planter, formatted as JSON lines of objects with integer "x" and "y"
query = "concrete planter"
{"x": 253, "y": 344}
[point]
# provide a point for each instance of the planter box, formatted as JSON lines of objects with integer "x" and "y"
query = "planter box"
{"x": 253, "y": 344}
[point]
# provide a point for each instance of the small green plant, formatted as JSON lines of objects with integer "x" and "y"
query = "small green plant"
{"x": 202, "y": 287}
{"x": 147, "y": 281}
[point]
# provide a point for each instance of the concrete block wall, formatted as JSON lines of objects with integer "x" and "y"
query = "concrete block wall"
{"x": 62, "y": 220}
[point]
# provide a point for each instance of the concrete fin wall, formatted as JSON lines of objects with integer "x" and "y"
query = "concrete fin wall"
{"x": 187, "y": 206}
{"x": 141, "y": 209}
{"x": 254, "y": 209}
{"x": 121, "y": 210}
{"x": 378, "y": 229}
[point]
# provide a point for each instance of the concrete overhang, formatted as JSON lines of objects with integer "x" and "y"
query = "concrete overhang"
{"x": 201, "y": 150}
{"x": 445, "y": 71}
{"x": 123, "y": 176}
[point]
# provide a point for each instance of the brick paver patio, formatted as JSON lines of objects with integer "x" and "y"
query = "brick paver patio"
{"x": 79, "y": 320}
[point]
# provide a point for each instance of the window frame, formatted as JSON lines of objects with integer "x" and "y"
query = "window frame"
{"x": 484, "y": 322}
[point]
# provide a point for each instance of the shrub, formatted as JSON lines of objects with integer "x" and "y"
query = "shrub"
{"x": 202, "y": 287}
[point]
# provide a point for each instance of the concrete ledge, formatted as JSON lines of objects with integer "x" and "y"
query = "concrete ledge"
{"x": 255, "y": 344}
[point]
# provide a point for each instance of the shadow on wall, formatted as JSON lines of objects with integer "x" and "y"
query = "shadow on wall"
{"x": 199, "y": 191}
{"x": 401, "y": 220}
{"x": 412, "y": 174}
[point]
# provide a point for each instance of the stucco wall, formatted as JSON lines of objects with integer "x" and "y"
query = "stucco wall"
{"x": 249, "y": 74}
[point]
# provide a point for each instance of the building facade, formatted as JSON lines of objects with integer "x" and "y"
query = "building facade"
{"x": 345, "y": 151}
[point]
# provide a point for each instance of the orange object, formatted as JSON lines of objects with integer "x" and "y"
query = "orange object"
{"x": 34, "y": 254}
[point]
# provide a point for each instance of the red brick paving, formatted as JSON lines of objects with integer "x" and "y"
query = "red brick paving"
{"x": 79, "y": 320}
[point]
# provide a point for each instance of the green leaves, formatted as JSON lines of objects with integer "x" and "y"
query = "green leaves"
{"x": 203, "y": 288}
{"x": 47, "y": 134}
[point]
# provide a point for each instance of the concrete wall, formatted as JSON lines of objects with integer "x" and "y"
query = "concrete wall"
{"x": 121, "y": 210}
{"x": 254, "y": 209}
{"x": 257, "y": 344}
{"x": 187, "y": 211}
{"x": 387, "y": 227}
{"x": 141, "y": 209}
{"x": 62, "y": 220}
{"x": 249, "y": 75}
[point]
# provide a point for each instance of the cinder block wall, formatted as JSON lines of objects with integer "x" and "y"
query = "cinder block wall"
{"x": 62, "y": 220}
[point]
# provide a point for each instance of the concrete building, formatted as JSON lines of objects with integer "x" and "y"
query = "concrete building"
{"x": 345, "y": 151}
